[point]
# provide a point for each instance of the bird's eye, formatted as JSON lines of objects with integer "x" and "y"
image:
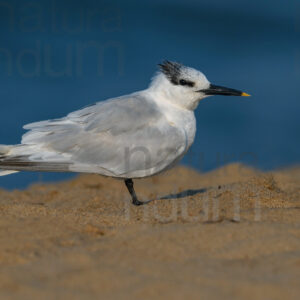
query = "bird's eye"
{"x": 185, "y": 82}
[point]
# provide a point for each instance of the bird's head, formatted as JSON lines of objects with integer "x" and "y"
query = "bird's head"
{"x": 185, "y": 86}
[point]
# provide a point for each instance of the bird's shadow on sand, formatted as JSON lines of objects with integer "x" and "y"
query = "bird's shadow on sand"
{"x": 183, "y": 194}
{"x": 179, "y": 195}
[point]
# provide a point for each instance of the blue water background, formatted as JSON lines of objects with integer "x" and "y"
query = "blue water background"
{"x": 58, "y": 56}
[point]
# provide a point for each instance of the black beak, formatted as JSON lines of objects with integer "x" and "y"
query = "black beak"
{"x": 220, "y": 90}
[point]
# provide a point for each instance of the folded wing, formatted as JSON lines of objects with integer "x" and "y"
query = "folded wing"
{"x": 121, "y": 137}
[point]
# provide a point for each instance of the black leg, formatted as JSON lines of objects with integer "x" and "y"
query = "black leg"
{"x": 129, "y": 184}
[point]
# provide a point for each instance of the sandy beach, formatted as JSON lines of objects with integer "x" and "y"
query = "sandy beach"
{"x": 233, "y": 233}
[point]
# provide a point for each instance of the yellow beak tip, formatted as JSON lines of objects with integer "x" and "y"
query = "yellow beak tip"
{"x": 245, "y": 95}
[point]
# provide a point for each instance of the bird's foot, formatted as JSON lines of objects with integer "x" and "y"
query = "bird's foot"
{"x": 137, "y": 202}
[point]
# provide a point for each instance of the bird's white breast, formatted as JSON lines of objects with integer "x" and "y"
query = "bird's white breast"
{"x": 181, "y": 118}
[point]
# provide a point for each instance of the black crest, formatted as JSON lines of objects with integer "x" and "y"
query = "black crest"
{"x": 172, "y": 70}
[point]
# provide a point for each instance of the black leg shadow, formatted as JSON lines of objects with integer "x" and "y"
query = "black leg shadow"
{"x": 180, "y": 195}
{"x": 183, "y": 194}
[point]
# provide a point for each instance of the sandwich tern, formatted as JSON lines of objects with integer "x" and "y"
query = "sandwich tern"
{"x": 127, "y": 137}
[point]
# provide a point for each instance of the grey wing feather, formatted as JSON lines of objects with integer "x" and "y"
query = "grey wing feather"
{"x": 121, "y": 137}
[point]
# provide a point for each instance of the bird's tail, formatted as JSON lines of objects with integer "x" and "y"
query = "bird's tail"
{"x": 23, "y": 157}
{"x": 4, "y": 153}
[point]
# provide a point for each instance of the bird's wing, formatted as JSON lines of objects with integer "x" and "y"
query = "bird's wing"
{"x": 121, "y": 137}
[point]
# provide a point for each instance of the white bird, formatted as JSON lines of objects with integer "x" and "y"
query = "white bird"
{"x": 132, "y": 136}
